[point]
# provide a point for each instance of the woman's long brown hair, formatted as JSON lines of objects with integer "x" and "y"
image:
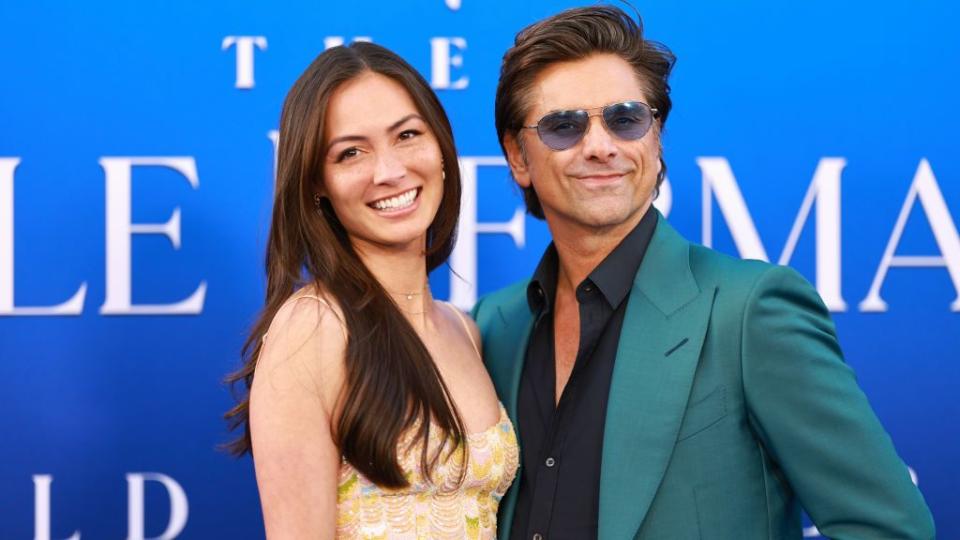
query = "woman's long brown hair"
{"x": 392, "y": 384}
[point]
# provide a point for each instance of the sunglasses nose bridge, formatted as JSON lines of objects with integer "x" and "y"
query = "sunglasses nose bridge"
{"x": 590, "y": 124}
{"x": 598, "y": 139}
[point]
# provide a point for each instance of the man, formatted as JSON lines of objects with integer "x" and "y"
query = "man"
{"x": 661, "y": 389}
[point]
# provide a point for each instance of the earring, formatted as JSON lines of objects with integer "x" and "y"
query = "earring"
{"x": 316, "y": 200}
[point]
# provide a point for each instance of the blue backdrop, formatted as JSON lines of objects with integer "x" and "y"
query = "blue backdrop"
{"x": 136, "y": 163}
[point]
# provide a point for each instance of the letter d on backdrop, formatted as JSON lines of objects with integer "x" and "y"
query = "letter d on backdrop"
{"x": 179, "y": 509}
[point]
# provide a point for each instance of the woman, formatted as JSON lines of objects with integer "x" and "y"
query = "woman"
{"x": 369, "y": 413}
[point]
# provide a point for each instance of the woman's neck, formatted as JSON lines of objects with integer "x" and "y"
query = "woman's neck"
{"x": 403, "y": 274}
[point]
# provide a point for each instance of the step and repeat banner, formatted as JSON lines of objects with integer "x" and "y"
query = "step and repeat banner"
{"x": 137, "y": 146}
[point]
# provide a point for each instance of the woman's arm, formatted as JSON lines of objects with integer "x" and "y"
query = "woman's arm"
{"x": 297, "y": 379}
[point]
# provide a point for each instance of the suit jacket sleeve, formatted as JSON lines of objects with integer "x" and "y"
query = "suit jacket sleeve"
{"x": 476, "y": 308}
{"x": 815, "y": 422}
{"x": 478, "y": 314}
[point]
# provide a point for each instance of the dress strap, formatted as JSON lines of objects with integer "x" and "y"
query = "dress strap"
{"x": 466, "y": 327}
{"x": 343, "y": 323}
{"x": 263, "y": 338}
{"x": 315, "y": 297}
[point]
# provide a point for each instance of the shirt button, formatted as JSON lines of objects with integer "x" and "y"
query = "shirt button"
{"x": 537, "y": 536}
{"x": 550, "y": 462}
{"x": 588, "y": 288}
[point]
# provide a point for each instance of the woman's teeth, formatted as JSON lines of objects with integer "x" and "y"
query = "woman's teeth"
{"x": 396, "y": 203}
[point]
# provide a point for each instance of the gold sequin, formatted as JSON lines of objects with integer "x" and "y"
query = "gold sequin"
{"x": 438, "y": 509}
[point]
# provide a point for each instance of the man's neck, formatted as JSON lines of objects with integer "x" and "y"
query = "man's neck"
{"x": 581, "y": 249}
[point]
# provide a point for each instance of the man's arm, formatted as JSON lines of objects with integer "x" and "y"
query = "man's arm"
{"x": 475, "y": 313}
{"x": 816, "y": 423}
{"x": 476, "y": 308}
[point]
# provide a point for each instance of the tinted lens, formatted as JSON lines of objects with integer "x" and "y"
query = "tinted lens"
{"x": 561, "y": 130}
{"x": 629, "y": 121}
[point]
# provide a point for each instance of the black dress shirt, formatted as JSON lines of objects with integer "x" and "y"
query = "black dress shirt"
{"x": 562, "y": 443}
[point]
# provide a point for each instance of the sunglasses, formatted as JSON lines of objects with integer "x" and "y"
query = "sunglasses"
{"x": 629, "y": 121}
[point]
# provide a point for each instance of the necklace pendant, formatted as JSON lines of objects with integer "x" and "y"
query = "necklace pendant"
{"x": 409, "y": 297}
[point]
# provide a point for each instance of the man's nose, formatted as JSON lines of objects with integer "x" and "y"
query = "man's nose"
{"x": 598, "y": 143}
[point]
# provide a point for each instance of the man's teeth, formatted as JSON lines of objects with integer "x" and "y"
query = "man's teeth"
{"x": 395, "y": 203}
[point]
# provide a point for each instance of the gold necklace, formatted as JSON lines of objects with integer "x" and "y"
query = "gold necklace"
{"x": 409, "y": 295}
{"x": 408, "y": 312}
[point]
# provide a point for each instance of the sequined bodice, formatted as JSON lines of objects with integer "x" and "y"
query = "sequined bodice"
{"x": 439, "y": 509}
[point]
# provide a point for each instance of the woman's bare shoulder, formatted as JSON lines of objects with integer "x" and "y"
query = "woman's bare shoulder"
{"x": 311, "y": 295}
{"x": 304, "y": 348}
{"x": 464, "y": 320}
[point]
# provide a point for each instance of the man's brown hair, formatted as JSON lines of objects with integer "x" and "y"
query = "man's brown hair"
{"x": 574, "y": 35}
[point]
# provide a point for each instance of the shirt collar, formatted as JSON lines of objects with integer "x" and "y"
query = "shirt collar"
{"x": 543, "y": 284}
{"x": 613, "y": 276}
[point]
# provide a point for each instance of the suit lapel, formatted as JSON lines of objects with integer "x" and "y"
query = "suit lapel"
{"x": 663, "y": 331}
{"x": 506, "y": 355}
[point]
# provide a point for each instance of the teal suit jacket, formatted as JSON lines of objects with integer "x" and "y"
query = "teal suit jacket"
{"x": 730, "y": 408}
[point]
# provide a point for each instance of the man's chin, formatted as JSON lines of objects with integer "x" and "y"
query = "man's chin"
{"x": 602, "y": 218}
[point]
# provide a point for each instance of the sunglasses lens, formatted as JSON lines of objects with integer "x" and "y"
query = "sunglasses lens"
{"x": 561, "y": 130}
{"x": 629, "y": 121}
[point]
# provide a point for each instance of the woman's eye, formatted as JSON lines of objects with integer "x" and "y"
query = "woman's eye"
{"x": 408, "y": 134}
{"x": 347, "y": 154}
